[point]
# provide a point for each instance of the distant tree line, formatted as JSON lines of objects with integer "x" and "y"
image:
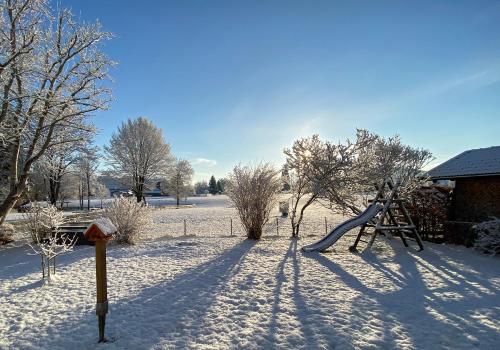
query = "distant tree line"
{"x": 213, "y": 186}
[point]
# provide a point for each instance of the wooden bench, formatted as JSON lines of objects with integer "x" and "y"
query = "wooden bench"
{"x": 75, "y": 229}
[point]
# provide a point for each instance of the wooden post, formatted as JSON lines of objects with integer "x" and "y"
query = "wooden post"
{"x": 102, "y": 288}
{"x": 326, "y": 227}
{"x": 100, "y": 231}
{"x": 231, "y": 226}
{"x": 185, "y": 230}
{"x": 277, "y": 227}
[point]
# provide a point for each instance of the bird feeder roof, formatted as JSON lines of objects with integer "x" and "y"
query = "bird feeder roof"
{"x": 100, "y": 230}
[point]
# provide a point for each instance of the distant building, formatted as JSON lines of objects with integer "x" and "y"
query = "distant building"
{"x": 117, "y": 186}
{"x": 114, "y": 185}
{"x": 476, "y": 196}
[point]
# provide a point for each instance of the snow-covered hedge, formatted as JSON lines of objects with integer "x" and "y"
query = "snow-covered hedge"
{"x": 130, "y": 218}
{"x": 488, "y": 237}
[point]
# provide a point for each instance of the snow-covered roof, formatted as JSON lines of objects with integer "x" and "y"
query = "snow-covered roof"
{"x": 471, "y": 163}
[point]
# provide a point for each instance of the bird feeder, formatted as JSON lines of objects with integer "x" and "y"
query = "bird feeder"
{"x": 101, "y": 231}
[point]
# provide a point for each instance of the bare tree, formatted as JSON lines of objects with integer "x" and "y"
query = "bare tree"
{"x": 57, "y": 162}
{"x": 139, "y": 153}
{"x": 69, "y": 186}
{"x": 51, "y": 76}
{"x": 88, "y": 163}
{"x": 253, "y": 191}
{"x": 101, "y": 191}
{"x": 180, "y": 180}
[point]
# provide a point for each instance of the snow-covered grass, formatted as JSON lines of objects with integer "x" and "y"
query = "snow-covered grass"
{"x": 212, "y": 290}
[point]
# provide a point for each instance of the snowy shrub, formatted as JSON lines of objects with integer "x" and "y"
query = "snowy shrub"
{"x": 40, "y": 221}
{"x": 6, "y": 233}
{"x": 129, "y": 217}
{"x": 254, "y": 192}
{"x": 488, "y": 237}
{"x": 42, "y": 224}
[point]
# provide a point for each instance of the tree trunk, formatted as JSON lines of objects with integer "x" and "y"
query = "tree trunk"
{"x": 254, "y": 233}
{"x": 80, "y": 194}
{"x": 48, "y": 270}
{"x": 88, "y": 193}
{"x": 17, "y": 185}
{"x": 10, "y": 201}
{"x": 54, "y": 188}
{"x": 139, "y": 192}
{"x": 43, "y": 266}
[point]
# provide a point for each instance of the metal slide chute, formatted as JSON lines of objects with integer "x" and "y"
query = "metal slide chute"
{"x": 340, "y": 230}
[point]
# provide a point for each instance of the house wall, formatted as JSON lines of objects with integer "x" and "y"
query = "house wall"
{"x": 476, "y": 199}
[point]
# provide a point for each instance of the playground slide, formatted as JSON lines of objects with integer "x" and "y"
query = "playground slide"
{"x": 343, "y": 228}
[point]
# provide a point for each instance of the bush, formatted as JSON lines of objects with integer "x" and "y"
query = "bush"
{"x": 488, "y": 237}
{"x": 254, "y": 192}
{"x": 6, "y": 233}
{"x": 129, "y": 217}
{"x": 428, "y": 207}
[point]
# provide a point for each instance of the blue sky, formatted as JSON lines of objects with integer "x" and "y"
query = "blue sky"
{"x": 238, "y": 81}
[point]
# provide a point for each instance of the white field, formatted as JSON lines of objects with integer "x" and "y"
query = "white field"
{"x": 210, "y": 290}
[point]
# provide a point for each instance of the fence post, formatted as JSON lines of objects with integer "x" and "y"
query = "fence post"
{"x": 185, "y": 229}
{"x": 277, "y": 227}
{"x": 231, "y": 226}
{"x": 326, "y": 227}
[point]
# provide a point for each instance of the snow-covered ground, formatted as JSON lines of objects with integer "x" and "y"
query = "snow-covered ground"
{"x": 211, "y": 290}
{"x": 72, "y": 206}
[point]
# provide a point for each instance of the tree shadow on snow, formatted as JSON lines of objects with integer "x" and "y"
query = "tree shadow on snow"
{"x": 302, "y": 311}
{"x": 412, "y": 308}
{"x": 20, "y": 261}
{"x": 174, "y": 309}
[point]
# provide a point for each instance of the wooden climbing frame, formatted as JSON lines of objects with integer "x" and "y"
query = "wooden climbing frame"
{"x": 394, "y": 217}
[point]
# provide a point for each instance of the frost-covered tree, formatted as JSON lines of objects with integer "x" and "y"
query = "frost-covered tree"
{"x": 180, "y": 179}
{"x": 344, "y": 173}
{"x": 138, "y": 153}
{"x": 254, "y": 191}
{"x": 201, "y": 187}
{"x": 70, "y": 186}
{"x": 212, "y": 185}
{"x": 51, "y": 74}
{"x": 389, "y": 158}
{"x": 221, "y": 185}
{"x": 303, "y": 189}
{"x": 88, "y": 162}
{"x": 101, "y": 191}
{"x": 45, "y": 240}
{"x": 57, "y": 162}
